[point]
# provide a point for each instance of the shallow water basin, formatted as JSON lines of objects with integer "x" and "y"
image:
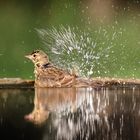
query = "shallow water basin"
{"x": 70, "y": 113}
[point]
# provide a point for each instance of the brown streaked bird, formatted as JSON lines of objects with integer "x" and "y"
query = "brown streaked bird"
{"x": 46, "y": 74}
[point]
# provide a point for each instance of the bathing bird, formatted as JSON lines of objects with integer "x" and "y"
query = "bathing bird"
{"x": 47, "y": 74}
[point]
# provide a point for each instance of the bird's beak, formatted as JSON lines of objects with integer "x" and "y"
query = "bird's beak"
{"x": 28, "y": 56}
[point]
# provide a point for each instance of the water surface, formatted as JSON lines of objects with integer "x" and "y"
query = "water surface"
{"x": 70, "y": 113}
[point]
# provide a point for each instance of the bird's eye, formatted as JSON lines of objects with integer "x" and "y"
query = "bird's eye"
{"x": 34, "y": 55}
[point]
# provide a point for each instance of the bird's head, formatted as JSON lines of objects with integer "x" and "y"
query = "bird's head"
{"x": 38, "y": 57}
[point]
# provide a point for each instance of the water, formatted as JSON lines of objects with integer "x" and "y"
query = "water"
{"x": 86, "y": 51}
{"x": 98, "y": 51}
{"x": 70, "y": 113}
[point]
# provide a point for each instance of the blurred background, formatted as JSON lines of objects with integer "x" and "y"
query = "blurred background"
{"x": 19, "y": 19}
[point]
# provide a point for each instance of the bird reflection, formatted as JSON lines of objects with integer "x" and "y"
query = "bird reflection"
{"x": 49, "y": 100}
{"x": 85, "y": 113}
{"x": 66, "y": 102}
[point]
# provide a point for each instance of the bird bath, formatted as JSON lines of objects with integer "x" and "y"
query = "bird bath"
{"x": 111, "y": 112}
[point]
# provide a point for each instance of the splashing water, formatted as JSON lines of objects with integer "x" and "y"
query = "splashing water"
{"x": 86, "y": 52}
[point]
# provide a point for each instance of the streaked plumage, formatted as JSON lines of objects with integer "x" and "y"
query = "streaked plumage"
{"x": 46, "y": 74}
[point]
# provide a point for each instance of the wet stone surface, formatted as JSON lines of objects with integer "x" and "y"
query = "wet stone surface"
{"x": 70, "y": 113}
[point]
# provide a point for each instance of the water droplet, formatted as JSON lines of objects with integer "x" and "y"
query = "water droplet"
{"x": 31, "y": 76}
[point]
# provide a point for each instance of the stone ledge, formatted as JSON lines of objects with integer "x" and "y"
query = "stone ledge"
{"x": 16, "y": 83}
{"x": 95, "y": 82}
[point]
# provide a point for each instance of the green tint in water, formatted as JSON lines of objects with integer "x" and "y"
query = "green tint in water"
{"x": 71, "y": 113}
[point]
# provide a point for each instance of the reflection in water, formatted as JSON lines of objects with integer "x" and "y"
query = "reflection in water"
{"x": 14, "y": 104}
{"x": 87, "y": 113}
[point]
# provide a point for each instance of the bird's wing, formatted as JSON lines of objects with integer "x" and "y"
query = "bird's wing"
{"x": 53, "y": 73}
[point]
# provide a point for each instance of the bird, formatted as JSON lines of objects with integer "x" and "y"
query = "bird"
{"x": 47, "y": 74}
